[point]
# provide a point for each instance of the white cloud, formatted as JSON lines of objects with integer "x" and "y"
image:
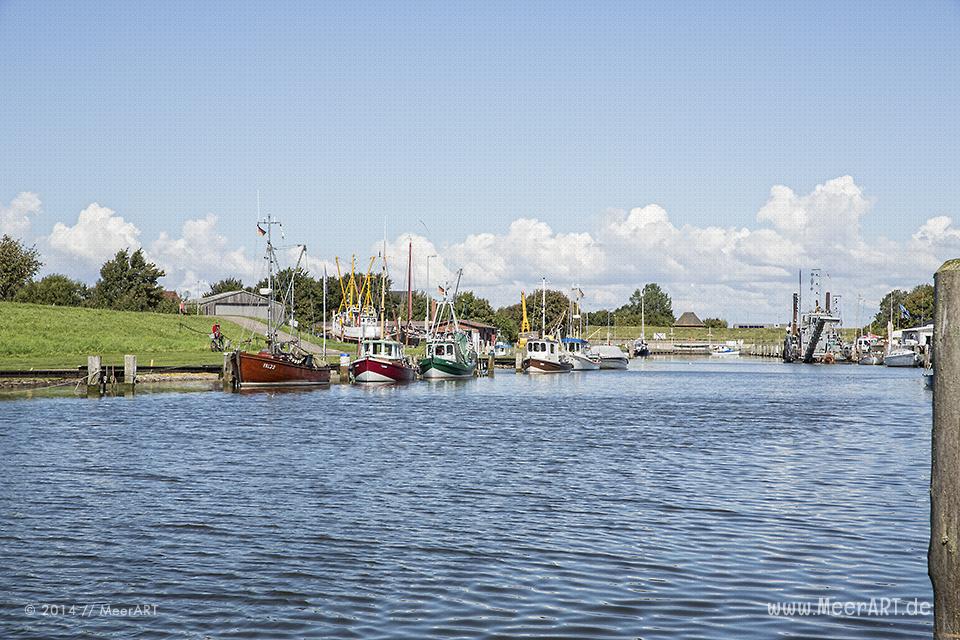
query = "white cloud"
{"x": 97, "y": 235}
{"x": 15, "y": 219}
{"x": 737, "y": 272}
{"x": 201, "y": 256}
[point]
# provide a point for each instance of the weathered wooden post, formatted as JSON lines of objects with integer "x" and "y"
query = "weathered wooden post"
{"x": 344, "y": 369}
{"x": 518, "y": 360}
{"x": 94, "y": 375}
{"x": 943, "y": 562}
{"x": 491, "y": 363}
{"x": 228, "y": 375}
{"x": 129, "y": 373}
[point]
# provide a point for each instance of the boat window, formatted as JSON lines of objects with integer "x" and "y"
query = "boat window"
{"x": 552, "y": 347}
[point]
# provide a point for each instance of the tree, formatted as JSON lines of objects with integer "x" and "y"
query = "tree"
{"x": 129, "y": 283}
{"x": 469, "y": 306}
{"x": 919, "y": 304}
{"x": 55, "y": 289}
{"x": 18, "y": 265}
{"x": 715, "y": 323}
{"x": 225, "y": 285}
{"x": 650, "y": 304}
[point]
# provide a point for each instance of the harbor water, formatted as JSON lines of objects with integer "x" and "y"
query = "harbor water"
{"x": 678, "y": 499}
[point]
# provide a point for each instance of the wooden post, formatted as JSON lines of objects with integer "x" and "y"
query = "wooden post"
{"x": 94, "y": 375}
{"x": 229, "y": 373}
{"x": 344, "y": 369}
{"x": 518, "y": 357}
{"x": 129, "y": 373}
{"x": 943, "y": 561}
{"x": 491, "y": 364}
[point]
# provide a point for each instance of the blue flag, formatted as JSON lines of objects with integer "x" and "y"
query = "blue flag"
{"x": 904, "y": 313}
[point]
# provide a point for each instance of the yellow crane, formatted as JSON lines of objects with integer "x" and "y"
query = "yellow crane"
{"x": 524, "y": 322}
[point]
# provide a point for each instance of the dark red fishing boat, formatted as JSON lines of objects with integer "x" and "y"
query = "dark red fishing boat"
{"x": 382, "y": 361}
{"x": 267, "y": 369}
{"x": 281, "y": 363}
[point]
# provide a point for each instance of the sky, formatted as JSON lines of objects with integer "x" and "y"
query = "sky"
{"x": 715, "y": 148}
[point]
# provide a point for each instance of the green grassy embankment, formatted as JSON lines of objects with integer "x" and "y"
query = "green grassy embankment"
{"x": 45, "y": 337}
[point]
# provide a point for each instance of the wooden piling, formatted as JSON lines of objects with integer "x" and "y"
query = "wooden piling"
{"x": 943, "y": 558}
{"x": 344, "y": 374}
{"x": 491, "y": 364}
{"x": 129, "y": 373}
{"x": 94, "y": 375}
{"x": 518, "y": 358}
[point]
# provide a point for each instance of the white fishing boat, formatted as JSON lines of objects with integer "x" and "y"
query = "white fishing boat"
{"x": 578, "y": 351}
{"x": 902, "y": 357}
{"x": 545, "y": 356}
{"x": 356, "y": 320}
{"x": 611, "y": 357}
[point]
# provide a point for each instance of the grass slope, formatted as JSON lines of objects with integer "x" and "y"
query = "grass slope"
{"x": 52, "y": 337}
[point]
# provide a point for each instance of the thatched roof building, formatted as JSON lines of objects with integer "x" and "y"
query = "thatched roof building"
{"x": 689, "y": 319}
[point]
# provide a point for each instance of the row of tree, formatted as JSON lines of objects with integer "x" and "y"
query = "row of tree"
{"x": 127, "y": 282}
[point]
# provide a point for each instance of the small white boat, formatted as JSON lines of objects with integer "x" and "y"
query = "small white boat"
{"x": 725, "y": 351}
{"x": 577, "y": 351}
{"x": 900, "y": 358}
{"x": 611, "y": 357}
{"x": 871, "y": 359}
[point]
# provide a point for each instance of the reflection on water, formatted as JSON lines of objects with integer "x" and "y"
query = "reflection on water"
{"x": 677, "y": 499}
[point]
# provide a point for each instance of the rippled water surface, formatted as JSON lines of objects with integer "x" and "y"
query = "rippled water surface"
{"x": 674, "y": 500}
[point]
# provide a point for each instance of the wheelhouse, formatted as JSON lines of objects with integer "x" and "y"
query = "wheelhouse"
{"x": 388, "y": 349}
{"x": 445, "y": 350}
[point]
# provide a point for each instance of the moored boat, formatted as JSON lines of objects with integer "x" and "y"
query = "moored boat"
{"x": 449, "y": 354}
{"x": 545, "y": 356}
{"x": 725, "y": 351}
{"x": 281, "y": 363}
{"x": 611, "y": 357}
{"x": 382, "y": 361}
{"x": 901, "y": 358}
{"x": 268, "y": 369}
{"x": 577, "y": 351}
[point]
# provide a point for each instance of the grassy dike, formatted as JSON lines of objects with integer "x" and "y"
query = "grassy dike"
{"x": 42, "y": 337}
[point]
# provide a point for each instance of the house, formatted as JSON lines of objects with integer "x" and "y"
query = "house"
{"x": 237, "y": 303}
{"x": 689, "y": 319}
{"x": 482, "y": 335}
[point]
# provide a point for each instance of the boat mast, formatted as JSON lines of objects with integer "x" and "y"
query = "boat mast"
{"x": 409, "y": 288}
{"x": 543, "y": 304}
{"x": 383, "y": 290}
{"x": 643, "y": 320}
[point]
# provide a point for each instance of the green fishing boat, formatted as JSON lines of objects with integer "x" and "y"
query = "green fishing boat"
{"x": 449, "y": 354}
{"x": 448, "y": 357}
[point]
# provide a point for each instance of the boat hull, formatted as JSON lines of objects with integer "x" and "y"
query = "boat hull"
{"x": 536, "y": 365}
{"x": 871, "y": 360}
{"x": 377, "y": 370}
{"x": 614, "y": 363}
{"x": 582, "y": 363}
{"x": 267, "y": 370}
{"x": 900, "y": 359}
{"x": 442, "y": 369}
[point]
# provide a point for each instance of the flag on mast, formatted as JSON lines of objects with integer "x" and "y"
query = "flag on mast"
{"x": 260, "y": 230}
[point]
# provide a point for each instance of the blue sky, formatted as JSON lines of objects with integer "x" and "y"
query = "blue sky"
{"x": 470, "y": 116}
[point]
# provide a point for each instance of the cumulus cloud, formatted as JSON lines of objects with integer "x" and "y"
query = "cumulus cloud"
{"x": 202, "y": 256}
{"x": 742, "y": 273}
{"x": 15, "y": 219}
{"x": 96, "y": 236}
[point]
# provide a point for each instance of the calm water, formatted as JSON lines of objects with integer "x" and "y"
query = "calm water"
{"x": 674, "y": 500}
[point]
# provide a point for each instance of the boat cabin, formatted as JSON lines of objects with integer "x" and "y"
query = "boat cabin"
{"x": 445, "y": 350}
{"x": 539, "y": 348}
{"x": 576, "y": 345}
{"x": 386, "y": 349}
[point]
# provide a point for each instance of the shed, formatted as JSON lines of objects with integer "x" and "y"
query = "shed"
{"x": 238, "y": 303}
{"x": 481, "y": 334}
{"x": 689, "y": 319}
